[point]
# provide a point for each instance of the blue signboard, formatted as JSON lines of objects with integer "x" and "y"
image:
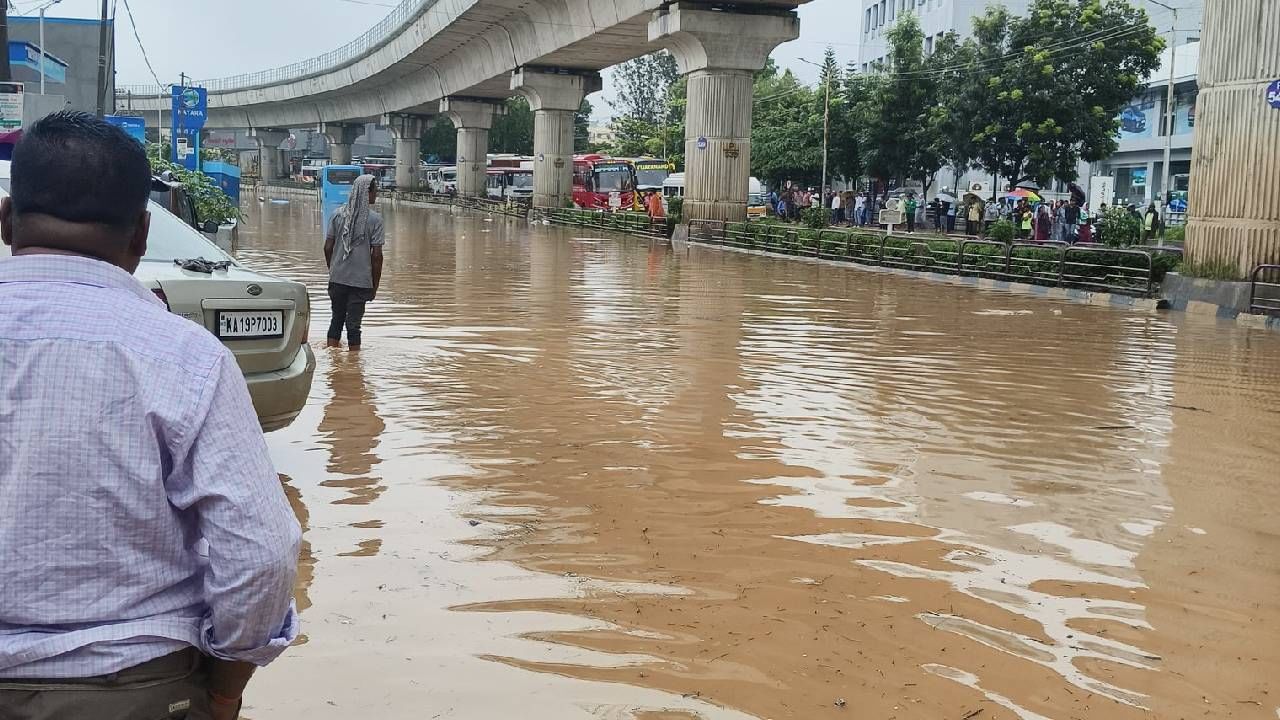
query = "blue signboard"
{"x": 1273, "y": 94}
{"x": 25, "y": 54}
{"x": 134, "y": 127}
{"x": 190, "y": 111}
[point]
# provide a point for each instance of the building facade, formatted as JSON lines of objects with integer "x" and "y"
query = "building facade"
{"x": 71, "y": 58}
{"x": 1137, "y": 167}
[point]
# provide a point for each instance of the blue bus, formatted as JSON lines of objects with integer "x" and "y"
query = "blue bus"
{"x": 335, "y": 188}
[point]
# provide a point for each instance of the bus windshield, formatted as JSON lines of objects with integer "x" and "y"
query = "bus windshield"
{"x": 342, "y": 177}
{"x": 522, "y": 180}
{"x": 651, "y": 177}
{"x": 613, "y": 179}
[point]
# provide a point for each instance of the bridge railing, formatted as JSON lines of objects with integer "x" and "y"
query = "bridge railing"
{"x": 1264, "y": 290}
{"x": 374, "y": 37}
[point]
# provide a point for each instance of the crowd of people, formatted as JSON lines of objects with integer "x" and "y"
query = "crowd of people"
{"x": 1033, "y": 219}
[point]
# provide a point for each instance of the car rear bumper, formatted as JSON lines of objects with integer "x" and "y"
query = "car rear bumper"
{"x": 279, "y": 396}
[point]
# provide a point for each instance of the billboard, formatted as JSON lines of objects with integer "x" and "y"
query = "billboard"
{"x": 25, "y": 54}
{"x": 134, "y": 127}
{"x": 189, "y": 113}
{"x": 11, "y": 96}
{"x": 1139, "y": 120}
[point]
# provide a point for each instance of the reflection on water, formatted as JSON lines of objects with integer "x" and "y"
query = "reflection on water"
{"x": 623, "y": 482}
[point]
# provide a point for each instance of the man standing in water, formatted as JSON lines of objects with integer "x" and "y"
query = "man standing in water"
{"x": 147, "y": 552}
{"x": 353, "y": 251}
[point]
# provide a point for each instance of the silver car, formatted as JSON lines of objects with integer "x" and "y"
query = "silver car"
{"x": 263, "y": 320}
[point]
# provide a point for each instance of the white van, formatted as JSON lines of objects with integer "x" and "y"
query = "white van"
{"x": 757, "y": 202}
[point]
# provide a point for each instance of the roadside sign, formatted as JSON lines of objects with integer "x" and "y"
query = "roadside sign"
{"x": 1273, "y": 94}
{"x": 189, "y": 113}
{"x": 134, "y": 127}
{"x": 11, "y": 94}
{"x": 702, "y": 143}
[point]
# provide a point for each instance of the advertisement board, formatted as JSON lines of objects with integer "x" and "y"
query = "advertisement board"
{"x": 1139, "y": 120}
{"x": 11, "y": 102}
{"x": 134, "y": 127}
{"x": 190, "y": 112}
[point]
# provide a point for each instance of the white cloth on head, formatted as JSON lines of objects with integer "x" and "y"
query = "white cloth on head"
{"x": 357, "y": 215}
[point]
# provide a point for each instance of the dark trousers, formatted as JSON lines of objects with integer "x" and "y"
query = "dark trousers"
{"x": 911, "y": 222}
{"x": 174, "y": 687}
{"x": 348, "y": 310}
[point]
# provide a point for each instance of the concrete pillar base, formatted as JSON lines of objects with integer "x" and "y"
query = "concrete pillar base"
{"x": 719, "y": 52}
{"x": 340, "y": 137}
{"x": 408, "y": 163}
{"x": 269, "y": 140}
{"x": 473, "y": 119}
{"x": 554, "y": 98}
{"x": 1235, "y": 210}
{"x": 473, "y": 161}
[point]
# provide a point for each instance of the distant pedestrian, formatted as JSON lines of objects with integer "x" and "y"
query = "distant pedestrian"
{"x": 951, "y": 217}
{"x": 1151, "y": 222}
{"x": 353, "y": 251}
{"x": 1071, "y": 220}
{"x": 147, "y": 550}
{"x": 657, "y": 211}
{"x": 910, "y": 206}
{"x": 935, "y": 208}
{"x": 860, "y": 207}
{"x": 1044, "y": 225}
{"x": 836, "y": 217}
{"x": 990, "y": 214}
{"x": 1059, "y": 221}
{"x": 973, "y": 218}
{"x": 1023, "y": 219}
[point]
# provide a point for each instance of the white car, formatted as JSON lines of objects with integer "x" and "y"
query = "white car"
{"x": 263, "y": 320}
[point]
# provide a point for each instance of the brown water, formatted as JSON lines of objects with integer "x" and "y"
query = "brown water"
{"x": 576, "y": 477}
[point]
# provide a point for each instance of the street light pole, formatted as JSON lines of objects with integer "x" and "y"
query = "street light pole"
{"x": 1166, "y": 175}
{"x": 826, "y": 130}
{"x": 44, "y": 7}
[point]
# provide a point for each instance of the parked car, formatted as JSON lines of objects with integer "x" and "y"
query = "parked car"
{"x": 173, "y": 196}
{"x": 264, "y": 320}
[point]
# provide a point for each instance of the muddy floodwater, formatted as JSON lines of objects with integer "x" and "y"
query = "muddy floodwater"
{"x": 575, "y": 476}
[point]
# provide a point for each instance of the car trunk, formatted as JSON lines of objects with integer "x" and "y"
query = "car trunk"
{"x": 261, "y": 319}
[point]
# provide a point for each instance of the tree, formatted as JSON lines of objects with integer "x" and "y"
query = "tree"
{"x": 786, "y": 133}
{"x": 513, "y": 132}
{"x": 900, "y": 123}
{"x": 1042, "y": 92}
{"x": 641, "y": 86}
{"x": 440, "y": 140}
{"x": 582, "y": 127}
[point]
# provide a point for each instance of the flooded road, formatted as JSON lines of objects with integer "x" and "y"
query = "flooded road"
{"x": 588, "y": 477}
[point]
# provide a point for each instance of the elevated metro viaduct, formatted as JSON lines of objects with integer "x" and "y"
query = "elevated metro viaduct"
{"x": 462, "y": 58}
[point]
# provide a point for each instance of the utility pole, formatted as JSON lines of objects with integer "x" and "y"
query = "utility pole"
{"x": 6, "y": 74}
{"x": 826, "y": 130}
{"x": 1166, "y": 175}
{"x": 102, "y": 62}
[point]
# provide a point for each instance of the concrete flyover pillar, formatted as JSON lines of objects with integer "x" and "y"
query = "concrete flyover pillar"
{"x": 340, "y": 138}
{"x": 554, "y": 98}
{"x": 473, "y": 119}
{"x": 269, "y": 141}
{"x": 406, "y": 131}
{"x": 1235, "y": 167}
{"x": 719, "y": 51}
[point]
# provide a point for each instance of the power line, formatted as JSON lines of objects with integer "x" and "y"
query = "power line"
{"x": 129, "y": 11}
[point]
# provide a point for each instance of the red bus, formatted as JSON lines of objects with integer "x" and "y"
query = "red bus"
{"x": 603, "y": 183}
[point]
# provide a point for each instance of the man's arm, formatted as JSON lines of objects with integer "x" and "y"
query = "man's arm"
{"x": 330, "y": 239}
{"x": 225, "y": 478}
{"x": 376, "y": 242}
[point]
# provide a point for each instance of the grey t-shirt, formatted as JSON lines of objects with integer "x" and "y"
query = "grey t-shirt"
{"x": 356, "y": 270}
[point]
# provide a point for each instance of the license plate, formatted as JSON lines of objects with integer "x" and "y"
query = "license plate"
{"x": 248, "y": 325}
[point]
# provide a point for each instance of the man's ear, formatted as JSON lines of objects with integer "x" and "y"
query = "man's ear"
{"x": 138, "y": 243}
{"x": 6, "y": 220}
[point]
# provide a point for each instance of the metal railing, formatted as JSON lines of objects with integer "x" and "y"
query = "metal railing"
{"x": 373, "y": 38}
{"x": 1099, "y": 268}
{"x": 1264, "y": 290}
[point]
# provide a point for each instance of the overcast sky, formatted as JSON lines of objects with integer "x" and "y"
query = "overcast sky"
{"x": 229, "y": 37}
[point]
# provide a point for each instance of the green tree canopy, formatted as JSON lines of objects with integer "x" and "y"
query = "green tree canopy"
{"x": 1039, "y": 93}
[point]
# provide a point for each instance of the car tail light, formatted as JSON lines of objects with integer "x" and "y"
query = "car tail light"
{"x": 163, "y": 298}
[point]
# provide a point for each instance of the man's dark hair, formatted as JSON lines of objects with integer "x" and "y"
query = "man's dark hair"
{"x": 76, "y": 167}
